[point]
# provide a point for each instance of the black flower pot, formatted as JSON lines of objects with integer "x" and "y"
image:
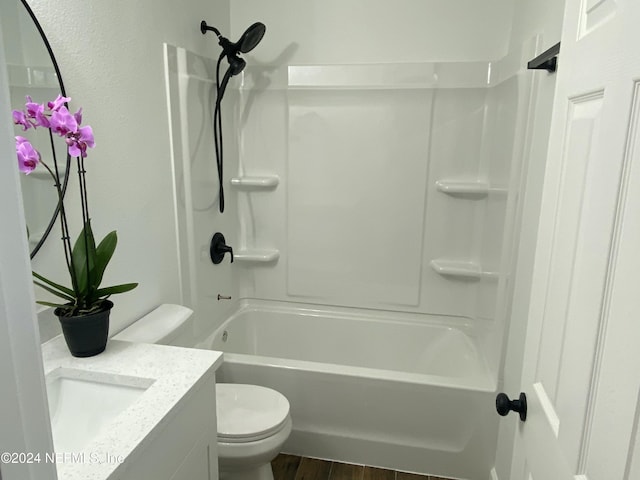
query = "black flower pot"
{"x": 86, "y": 335}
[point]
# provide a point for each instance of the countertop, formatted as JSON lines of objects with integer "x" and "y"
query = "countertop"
{"x": 175, "y": 373}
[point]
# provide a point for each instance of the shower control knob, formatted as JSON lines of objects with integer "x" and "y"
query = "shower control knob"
{"x": 504, "y": 405}
{"x": 218, "y": 248}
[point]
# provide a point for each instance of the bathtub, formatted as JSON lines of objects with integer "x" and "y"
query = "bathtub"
{"x": 387, "y": 390}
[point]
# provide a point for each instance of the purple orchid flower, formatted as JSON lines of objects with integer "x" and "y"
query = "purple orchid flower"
{"x": 19, "y": 118}
{"x": 35, "y": 112}
{"x": 32, "y": 108}
{"x": 58, "y": 103}
{"x": 78, "y": 116}
{"x": 41, "y": 119}
{"x": 55, "y": 116}
{"x": 80, "y": 141}
{"x": 28, "y": 157}
{"x": 62, "y": 122}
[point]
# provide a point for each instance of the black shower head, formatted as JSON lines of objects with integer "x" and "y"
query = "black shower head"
{"x": 248, "y": 41}
{"x": 251, "y": 37}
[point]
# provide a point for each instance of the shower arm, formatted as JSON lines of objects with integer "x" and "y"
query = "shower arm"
{"x": 204, "y": 28}
{"x": 228, "y": 47}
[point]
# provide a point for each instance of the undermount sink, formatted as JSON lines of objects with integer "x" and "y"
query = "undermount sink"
{"x": 83, "y": 404}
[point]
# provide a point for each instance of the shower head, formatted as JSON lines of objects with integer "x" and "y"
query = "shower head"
{"x": 248, "y": 41}
{"x": 251, "y": 37}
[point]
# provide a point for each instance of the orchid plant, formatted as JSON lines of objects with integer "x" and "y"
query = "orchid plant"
{"x": 85, "y": 262}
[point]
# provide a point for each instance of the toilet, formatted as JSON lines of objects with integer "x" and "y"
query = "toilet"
{"x": 253, "y": 424}
{"x": 253, "y": 421}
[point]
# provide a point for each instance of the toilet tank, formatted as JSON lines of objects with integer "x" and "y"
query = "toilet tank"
{"x": 166, "y": 325}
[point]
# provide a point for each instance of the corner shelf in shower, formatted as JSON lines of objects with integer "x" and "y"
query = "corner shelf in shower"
{"x": 257, "y": 256}
{"x": 257, "y": 183}
{"x": 470, "y": 189}
{"x": 463, "y": 269}
{"x": 451, "y": 187}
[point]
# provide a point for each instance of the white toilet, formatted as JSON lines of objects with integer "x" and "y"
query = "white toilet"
{"x": 253, "y": 424}
{"x": 253, "y": 421}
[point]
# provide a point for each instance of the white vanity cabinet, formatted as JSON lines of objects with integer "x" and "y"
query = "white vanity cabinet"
{"x": 185, "y": 449}
{"x": 135, "y": 412}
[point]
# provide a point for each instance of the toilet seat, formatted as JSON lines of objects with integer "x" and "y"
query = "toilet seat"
{"x": 248, "y": 413}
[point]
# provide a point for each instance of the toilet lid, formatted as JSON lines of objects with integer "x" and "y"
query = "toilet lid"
{"x": 249, "y": 412}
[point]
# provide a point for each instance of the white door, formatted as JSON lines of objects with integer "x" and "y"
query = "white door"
{"x": 581, "y": 370}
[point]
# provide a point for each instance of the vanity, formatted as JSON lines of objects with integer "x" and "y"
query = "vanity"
{"x": 136, "y": 411}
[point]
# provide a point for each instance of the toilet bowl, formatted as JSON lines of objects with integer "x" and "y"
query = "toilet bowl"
{"x": 253, "y": 424}
{"x": 253, "y": 421}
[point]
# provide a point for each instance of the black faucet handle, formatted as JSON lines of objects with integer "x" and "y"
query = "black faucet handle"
{"x": 227, "y": 249}
{"x": 218, "y": 248}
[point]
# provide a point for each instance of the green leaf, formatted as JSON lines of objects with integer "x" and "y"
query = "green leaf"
{"x": 84, "y": 260}
{"x": 104, "y": 252}
{"x": 55, "y": 292}
{"x": 62, "y": 288}
{"x": 125, "y": 287}
{"x": 49, "y": 304}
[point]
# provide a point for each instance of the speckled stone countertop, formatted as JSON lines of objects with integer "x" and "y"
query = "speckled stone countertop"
{"x": 174, "y": 373}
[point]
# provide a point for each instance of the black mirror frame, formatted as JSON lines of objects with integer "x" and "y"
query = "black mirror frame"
{"x": 47, "y": 45}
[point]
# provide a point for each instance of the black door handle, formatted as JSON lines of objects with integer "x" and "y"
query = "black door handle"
{"x": 504, "y": 405}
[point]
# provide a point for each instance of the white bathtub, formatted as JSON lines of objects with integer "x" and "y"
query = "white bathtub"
{"x": 383, "y": 390}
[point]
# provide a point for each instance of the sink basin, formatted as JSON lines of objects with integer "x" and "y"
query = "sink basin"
{"x": 83, "y": 404}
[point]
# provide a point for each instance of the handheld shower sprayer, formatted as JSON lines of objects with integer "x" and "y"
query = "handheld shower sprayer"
{"x": 247, "y": 42}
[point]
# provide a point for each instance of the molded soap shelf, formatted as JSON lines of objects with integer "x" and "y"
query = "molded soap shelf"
{"x": 471, "y": 189}
{"x": 259, "y": 256}
{"x": 256, "y": 182}
{"x": 461, "y": 269}
{"x": 463, "y": 188}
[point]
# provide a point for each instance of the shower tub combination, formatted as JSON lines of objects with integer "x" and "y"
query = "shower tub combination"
{"x": 405, "y": 391}
{"x": 375, "y": 388}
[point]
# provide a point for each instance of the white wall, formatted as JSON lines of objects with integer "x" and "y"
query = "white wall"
{"x": 111, "y": 58}
{"x": 371, "y": 31}
{"x": 537, "y": 17}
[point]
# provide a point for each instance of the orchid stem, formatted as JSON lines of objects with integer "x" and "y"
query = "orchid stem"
{"x": 85, "y": 212}
{"x": 66, "y": 240}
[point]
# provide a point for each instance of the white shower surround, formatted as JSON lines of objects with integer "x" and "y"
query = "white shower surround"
{"x": 375, "y": 411}
{"x": 382, "y": 389}
{"x": 398, "y": 186}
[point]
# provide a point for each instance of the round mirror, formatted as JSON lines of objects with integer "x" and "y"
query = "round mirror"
{"x": 33, "y": 71}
